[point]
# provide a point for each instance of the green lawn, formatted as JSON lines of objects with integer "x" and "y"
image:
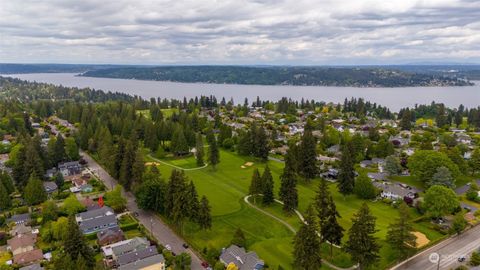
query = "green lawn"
{"x": 226, "y": 186}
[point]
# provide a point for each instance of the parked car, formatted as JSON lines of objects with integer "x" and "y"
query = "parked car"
{"x": 204, "y": 264}
{"x": 168, "y": 247}
{"x": 461, "y": 258}
{"x": 185, "y": 246}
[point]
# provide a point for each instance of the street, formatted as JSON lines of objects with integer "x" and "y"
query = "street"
{"x": 449, "y": 250}
{"x": 151, "y": 222}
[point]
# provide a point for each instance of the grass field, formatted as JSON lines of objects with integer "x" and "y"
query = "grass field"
{"x": 226, "y": 187}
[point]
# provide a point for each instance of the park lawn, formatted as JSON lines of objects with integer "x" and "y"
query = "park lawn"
{"x": 277, "y": 210}
{"x": 133, "y": 233}
{"x": 186, "y": 163}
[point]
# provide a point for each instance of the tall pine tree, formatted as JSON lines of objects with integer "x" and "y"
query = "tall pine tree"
{"x": 267, "y": 189}
{"x": 400, "y": 235}
{"x": 346, "y": 176}
{"x": 306, "y": 244}
{"x": 330, "y": 230}
{"x": 199, "y": 154}
{"x": 204, "y": 215}
{"x": 288, "y": 185}
{"x": 308, "y": 155}
{"x": 362, "y": 244}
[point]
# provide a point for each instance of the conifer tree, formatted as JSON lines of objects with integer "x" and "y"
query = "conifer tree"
{"x": 330, "y": 230}
{"x": 176, "y": 201}
{"x": 260, "y": 144}
{"x": 5, "y": 201}
{"x": 346, "y": 176}
{"x": 59, "y": 149}
{"x": 322, "y": 201}
{"x": 405, "y": 122}
{"x": 213, "y": 152}
{"x": 362, "y": 244}
{"x": 193, "y": 203}
{"x": 306, "y": 250}
{"x": 400, "y": 235}
{"x": 204, "y": 215}
{"x": 7, "y": 182}
{"x": 199, "y": 154}
{"x": 75, "y": 244}
{"x": 34, "y": 191}
{"x": 255, "y": 184}
{"x": 267, "y": 187}
{"x": 288, "y": 186}
{"x": 308, "y": 155}
{"x": 239, "y": 239}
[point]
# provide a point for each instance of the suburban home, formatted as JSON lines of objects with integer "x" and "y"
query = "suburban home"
{"x": 156, "y": 262}
{"x": 96, "y": 220}
{"x": 380, "y": 176}
{"x": 50, "y": 173}
{"x": 242, "y": 259}
{"x": 20, "y": 229}
{"x": 110, "y": 236}
{"x": 331, "y": 174}
{"x": 20, "y": 219}
{"x": 29, "y": 257}
{"x": 35, "y": 266}
{"x": 22, "y": 243}
{"x": 113, "y": 251}
{"x": 50, "y": 187}
{"x": 395, "y": 191}
{"x": 136, "y": 255}
{"x": 399, "y": 141}
{"x": 70, "y": 168}
{"x": 335, "y": 149}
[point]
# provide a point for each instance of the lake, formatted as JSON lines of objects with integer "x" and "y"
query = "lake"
{"x": 394, "y": 98}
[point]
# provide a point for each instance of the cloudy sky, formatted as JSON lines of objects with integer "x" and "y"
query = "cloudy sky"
{"x": 240, "y": 32}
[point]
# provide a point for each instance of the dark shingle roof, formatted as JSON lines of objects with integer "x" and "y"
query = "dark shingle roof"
{"x": 137, "y": 255}
{"x": 242, "y": 259}
{"x": 143, "y": 263}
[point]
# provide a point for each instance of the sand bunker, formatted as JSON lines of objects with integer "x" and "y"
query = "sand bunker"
{"x": 243, "y": 167}
{"x": 152, "y": 163}
{"x": 249, "y": 164}
{"x": 422, "y": 240}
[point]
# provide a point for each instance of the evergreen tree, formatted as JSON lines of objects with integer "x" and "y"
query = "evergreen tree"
{"x": 71, "y": 149}
{"x": 288, "y": 186}
{"x": 400, "y": 235}
{"x": 255, "y": 184}
{"x": 245, "y": 145}
{"x": 59, "y": 180}
{"x": 308, "y": 155}
{"x": 213, "y": 152}
{"x": 176, "y": 199}
{"x": 193, "y": 203}
{"x": 179, "y": 145}
{"x": 7, "y": 182}
{"x": 392, "y": 165}
{"x": 34, "y": 191}
{"x": 362, "y": 244}
{"x": 442, "y": 177}
{"x": 138, "y": 168}
{"x": 322, "y": 202}
{"x": 346, "y": 176}
{"x": 204, "y": 215}
{"x": 364, "y": 188}
{"x": 200, "y": 151}
{"x": 59, "y": 149}
{"x": 151, "y": 194}
{"x": 75, "y": 244}
{"x": 260, "y": 144}
{"x": 405, "y": 122}
{"x": 330, "y": 230}
{"x": 5, "y": 201}
{"x": 267, "y": 189}
{"x": 126, "y": 167}
{"x": 306, "y": 250}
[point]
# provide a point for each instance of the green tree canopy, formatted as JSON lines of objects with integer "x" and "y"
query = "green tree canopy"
{"x": 424, "y": 164}
{"x": 440, "y": 200}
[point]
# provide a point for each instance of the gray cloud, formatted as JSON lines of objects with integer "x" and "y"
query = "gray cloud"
{"x": 240, "y": 32}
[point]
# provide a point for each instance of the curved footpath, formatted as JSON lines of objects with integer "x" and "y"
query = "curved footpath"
{"x": 290, "y": 227}
{"x": 177, "y": 167}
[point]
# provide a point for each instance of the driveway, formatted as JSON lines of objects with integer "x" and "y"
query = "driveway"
{"x": 152, "y": 222}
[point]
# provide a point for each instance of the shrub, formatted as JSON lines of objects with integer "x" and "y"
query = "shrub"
{"x": 475, "y": 258}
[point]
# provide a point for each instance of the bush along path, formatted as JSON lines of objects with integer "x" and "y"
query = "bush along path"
{"x": 300, "y": 216}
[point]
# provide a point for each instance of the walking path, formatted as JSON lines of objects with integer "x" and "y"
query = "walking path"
{"x": 290, "y": 227}
{"x": 177, "y": 167}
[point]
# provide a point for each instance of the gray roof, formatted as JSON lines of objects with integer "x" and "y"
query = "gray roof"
{"x": 242, "y": 259}
{"x": 70, "y": 164}
{"x": 35, "y": 266}
{"x": 134, "y": 244}
{"x": 137, "y": 255}
{"x": 396, "y": 189}
{"x": 20, "y": 218}
{"x": 50, "y": 186}
{"x": 143, "y": 263}
{"x": 104, "y": 211}
{"x": 99, "y": 222}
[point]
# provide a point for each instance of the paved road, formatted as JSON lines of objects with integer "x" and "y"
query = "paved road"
{"x": 151, "y": 222}
{"x": 462, "y": 190}
{"x": 449, "y": 251}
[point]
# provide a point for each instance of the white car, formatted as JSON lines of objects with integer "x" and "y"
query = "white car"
{"x": 168, "y": 247}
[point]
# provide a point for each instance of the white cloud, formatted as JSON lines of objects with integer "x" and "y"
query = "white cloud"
{"x": 239, "y": 32}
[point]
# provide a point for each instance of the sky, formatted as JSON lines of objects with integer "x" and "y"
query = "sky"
{"x": 238, "y": 32}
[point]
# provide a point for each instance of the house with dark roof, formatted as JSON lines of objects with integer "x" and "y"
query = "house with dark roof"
{"x": 395, "y": 191}
{"x": 242, "y": 259}
{"x": 50, "y": 187}
{"x": 35, "y": 266}
{"x": 96, "y": 220}
{"x": 136, "y": 255}
{"x": 20, "y": 219}
{"x": 110, "y": 236}
{"x": 112, "y": 252}
{"x": 156, "y": 262}
{"x": 70, "y": 168}
{"x": 20, "y": 229}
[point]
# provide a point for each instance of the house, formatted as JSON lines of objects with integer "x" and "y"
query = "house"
{"x": 70, "y": 168}
{"x": 330, "y": 174}
{"x": 156, "y": 262}
{"x": 20, "y": 229}
{"x": 22, "y": 243}
{"x": 242, "y": 259}
{"x": 35, "y": 266}
{"x": 136, "y": 255}
{"x": 380, "y": 176}
{"x": 110, "y": 236}
{"x": 20, "y": 219}
{"x": 399, "y": 141}
{"x": 50, "y": 187}
{"x": 96, "y": 220}
{"x": 50, "y": 173}
{"x": 113, "y": 251}
{"x": 335, "y": 149}
{"x": 395, "y": 191}
{"x": 29, "y": 257}
{"x": 366, "y": 163}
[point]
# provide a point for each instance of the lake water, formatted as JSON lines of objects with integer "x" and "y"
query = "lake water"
{"x": 394, "y": 98}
